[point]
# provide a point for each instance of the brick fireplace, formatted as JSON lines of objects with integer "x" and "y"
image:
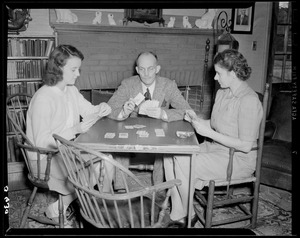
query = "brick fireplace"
{"x": 185, "y": 55}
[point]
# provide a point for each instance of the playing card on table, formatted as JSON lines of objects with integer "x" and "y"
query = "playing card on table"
{"x": 109, "y": 135}
{"x": 184, "y": 134}
{"x": 129, "y": 127}
{"x": 142, "y": 133}
{"x": 160, "y": 132}
{"x": 123, "y": 135}
{"x": 137, "y": 126}
{"x": 138, "y": 99}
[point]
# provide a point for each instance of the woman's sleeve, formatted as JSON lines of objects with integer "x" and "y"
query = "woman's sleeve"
{"x": 84, "y": 106}
{"x": 250, "y": 115}
{"x": 41, "y": 123}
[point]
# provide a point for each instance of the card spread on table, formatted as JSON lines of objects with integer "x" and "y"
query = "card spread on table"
{"x": 160, "y": 132}
{"x": 184, "y": 134}
{"x": 137, "y": 126}
{"x": 109, "y": 135}
{"x": 138, "y": 99}
{"x": 123, "y": 135}
{"x": 142, "y": 133}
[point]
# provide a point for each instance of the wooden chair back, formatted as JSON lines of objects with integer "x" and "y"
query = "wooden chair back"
{"x": 16, "y": 112}
{"x": 100, "y": 205}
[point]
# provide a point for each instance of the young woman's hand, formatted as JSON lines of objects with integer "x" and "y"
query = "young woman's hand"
{"x": 201, "y": 127}
{"x": 105, "y": 109}
{"x": 84, "y": 126}
{"x": 190, "y": 115}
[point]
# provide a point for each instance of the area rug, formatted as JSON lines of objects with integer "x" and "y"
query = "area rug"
{"x": 273, "y": 220}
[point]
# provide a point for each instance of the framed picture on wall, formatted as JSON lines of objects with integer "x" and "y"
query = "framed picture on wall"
{"x": 143, "y": 15}
{"x": 242, "y": 20}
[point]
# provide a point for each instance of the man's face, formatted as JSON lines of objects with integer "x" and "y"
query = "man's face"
{"x": 243, "y": 12}
{"x": 147, "y": 68}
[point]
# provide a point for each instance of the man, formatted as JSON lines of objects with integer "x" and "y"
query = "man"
{"x": 172, "y": 105}
{"x": 242, "y": 19}
{"x": 161, "y": 89}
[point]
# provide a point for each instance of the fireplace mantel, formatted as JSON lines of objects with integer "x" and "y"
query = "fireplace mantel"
{"x": 63, "y": 27}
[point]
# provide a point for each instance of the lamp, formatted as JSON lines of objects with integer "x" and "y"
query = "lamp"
{"x": 225, "y": 40}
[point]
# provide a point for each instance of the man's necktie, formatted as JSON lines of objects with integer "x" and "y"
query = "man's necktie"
{"x": 147, "y": 95}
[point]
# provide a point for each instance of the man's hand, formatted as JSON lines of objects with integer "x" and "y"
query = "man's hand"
{"x": 105, "y": 109}
{"x": 154, "y": 112}
{"x": 128, "y": 107}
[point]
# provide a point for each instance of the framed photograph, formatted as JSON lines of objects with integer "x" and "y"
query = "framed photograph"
{"x": 242, "y": 20}
{"x": 143, "y": 15}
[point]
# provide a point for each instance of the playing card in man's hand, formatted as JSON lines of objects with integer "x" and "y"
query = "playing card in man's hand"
{"x": 148, "y": 104}
{"x": 138, "y": 99}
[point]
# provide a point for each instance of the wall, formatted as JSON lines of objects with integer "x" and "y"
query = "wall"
{"x": 256, "y": 59}
{"x": 110, "y": 54}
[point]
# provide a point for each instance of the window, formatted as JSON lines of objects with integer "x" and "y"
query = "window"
{"x": 281, "y": 44}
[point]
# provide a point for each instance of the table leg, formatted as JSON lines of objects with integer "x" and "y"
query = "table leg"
{"x": 191, "y": 190}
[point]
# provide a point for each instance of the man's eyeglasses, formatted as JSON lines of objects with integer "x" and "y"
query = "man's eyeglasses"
{"x": 149, "y": 70}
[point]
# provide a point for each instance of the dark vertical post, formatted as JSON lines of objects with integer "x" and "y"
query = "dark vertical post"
{"x": 207, "y": 47}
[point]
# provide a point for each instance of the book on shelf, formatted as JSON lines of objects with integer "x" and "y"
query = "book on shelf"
{"x": 50, "y": 44}
{"x": 20, "y": 69}
{"x": 29, "y": 47}
{"x": 23, "y": 87}
{"x": 9, "y": 50}
{"x": 22, "y": 48}
{"x": 13, "y": 44}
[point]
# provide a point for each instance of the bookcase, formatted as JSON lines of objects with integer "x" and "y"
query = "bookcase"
{"x": 26, "y": 62}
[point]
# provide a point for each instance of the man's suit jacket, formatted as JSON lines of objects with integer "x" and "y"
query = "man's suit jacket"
{"x": 166, "y": 92}
{"x": 244, "y": 22}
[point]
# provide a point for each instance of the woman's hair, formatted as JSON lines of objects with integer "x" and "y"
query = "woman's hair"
{"x": 232, "y": 60}
{"x": 58, "y": 59}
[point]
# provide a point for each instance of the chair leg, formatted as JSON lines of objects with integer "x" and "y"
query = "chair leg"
{"x": 255, "y": 206}
{"x": 209, "y": 208}
{"x": 60, "y": 211}
{"x": 29, "y": 205}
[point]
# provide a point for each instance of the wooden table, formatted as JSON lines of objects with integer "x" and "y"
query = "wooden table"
{"x": 170, "y": 144}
